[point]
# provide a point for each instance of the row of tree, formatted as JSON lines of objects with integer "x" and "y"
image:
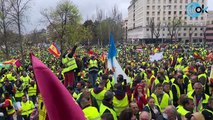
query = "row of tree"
{"x": 64, "y": 27}
{"x": 173, "y": 27}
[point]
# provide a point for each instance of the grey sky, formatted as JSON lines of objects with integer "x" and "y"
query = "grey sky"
{"x": 87, "y": 9}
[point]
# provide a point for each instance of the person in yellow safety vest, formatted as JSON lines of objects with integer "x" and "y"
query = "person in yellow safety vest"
{"x": 99, "y": 92}
{"x": 167, "y": 89}
{"x": 160, "y": 97}
{"x": 120, "y": 100}
{"x": 11, "y": 76}
{"x": 27, "y": 108}
{"x": 93, "y": 65}
{"x": 208, "y": 111}
{"x": 25, "y": 79}
{"x": 19, "y": 90}
{"x": 69, "y": 65}
{"x": 107, "y": 105}
{"x": 32, "y": 91}
{"x": 186, "y": 108}
{"x": 199, "y": 97}
{"x": 161, "y": 78}
{"x": 90, "y": 112}
{"x": 202, "y": 77}
{"x": 8, "y": 105}
{"x": 178, "y": 88}
{"x": 78, "y": 89}
{"x": 192, "y": 81}
{"x": 152, "y": 108}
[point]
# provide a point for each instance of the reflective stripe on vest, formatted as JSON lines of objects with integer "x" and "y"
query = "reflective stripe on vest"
{"x": 103, "y": 108}
{"x": 32, "y": 90}
{"x": 93, "y": 63}
{"x": 70, "y": 64}
{"x": 208, "y": 111}
{"x": 120, "y": 105}
{"x": 164, "y": 100}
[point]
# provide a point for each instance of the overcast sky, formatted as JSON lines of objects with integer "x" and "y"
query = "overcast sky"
{"x": 87, "y": 9}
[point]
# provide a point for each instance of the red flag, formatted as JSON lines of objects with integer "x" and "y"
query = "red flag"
{"x": 54, "y": 50}
{"x": 59, "y": 103}
{"x": 210, "y": 56}
{"x": 18, "y": 63}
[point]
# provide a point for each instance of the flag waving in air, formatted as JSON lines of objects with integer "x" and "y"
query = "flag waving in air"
{"x": 112, "y": 63}
{"x": 59, "y": 103}
{"x": 54, "y": 50}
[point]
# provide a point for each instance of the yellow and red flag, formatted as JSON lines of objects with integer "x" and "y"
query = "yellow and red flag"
{"x": 11, "y": 62}
{"x": 54, "y": 50}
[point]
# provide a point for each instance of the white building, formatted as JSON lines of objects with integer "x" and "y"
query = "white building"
{"x": 140, "y": 12}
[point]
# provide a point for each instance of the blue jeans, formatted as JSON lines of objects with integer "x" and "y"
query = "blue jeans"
{"x": 92, "y": 77}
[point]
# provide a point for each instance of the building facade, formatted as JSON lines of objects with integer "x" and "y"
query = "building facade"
{"x": 142, "y": 12}
{"x": 209, "y": 28}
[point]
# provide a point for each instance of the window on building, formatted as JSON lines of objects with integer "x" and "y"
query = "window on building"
{"x": 158, "y": 7}
{"x": 147, "y": 7}
{"x": 195, "y": 28}
{"x": 147, "y": 12}
{"x": 185, "y": 12}
{"x": 181, "y": 1}
{"x": 190, "y": 18}
{"x": 164, "y": 1}
{"x": 163, "y": 29}
{"x": 169, "y": 12}
{"x": 185, "y": 18}
{"x": 195, "y": 34}
{"x": 158, "y": 12}
{"x": 175, "y": 7}
{"x": 164, "y": 18}
{"x": 186, "y": 1}
{"x": 184, "y": 34}
{"x": 147, "y": 29}
{"x": 158, "y": 1}
{"x": 201, "y": 18}
{"x": 153, "y": 7}
{"x": 180, "y": 6}
{"x": 179, "y": 34}
{"x": 153, "y": 13}
{"x": 170, "y": 1}
{"x": 201, "y": 34}
{"x": 212, "y": 22}
{"x": 175, "y": 1}
{"x": 163, "y": 34}
{"x": 158, "y": 18}
{"x": 169, "y": 18}
{"x": 201, "y": 28}
{"x": 153, "y": 1}
{"x": 180, "y": 12}
{"x": 175, "y": 12}
{"x": 164, "y": 12}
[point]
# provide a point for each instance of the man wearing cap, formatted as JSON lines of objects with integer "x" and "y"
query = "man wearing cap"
{"x": 107, "y": 105}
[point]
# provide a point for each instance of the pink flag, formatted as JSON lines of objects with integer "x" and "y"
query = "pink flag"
{"x": 59, "y": 103}
{"x": 18, "y": 63}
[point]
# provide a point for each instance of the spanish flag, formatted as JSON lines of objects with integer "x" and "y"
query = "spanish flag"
{"x": 54, "y": 50}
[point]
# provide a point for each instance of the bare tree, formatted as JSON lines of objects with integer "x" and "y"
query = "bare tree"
{"x": 17, "y": 13}
{"x": 5, "y": 22}
{"x": 204, "y": 35}
{"x": 157, "y": 30}
{"x": 191, "y": 32}
{"x": 172, "y": 27}
{"x": 151, "y": 26}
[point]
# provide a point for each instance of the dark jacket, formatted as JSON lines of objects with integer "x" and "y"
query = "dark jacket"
{"x": 207, "y": 114}
{"x": 154, "y": 116}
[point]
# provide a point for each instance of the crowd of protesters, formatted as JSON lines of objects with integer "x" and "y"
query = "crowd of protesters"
{"x": 177, "y": 87}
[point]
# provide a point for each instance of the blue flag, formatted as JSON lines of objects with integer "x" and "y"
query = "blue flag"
{"x": 112, "y": 48}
